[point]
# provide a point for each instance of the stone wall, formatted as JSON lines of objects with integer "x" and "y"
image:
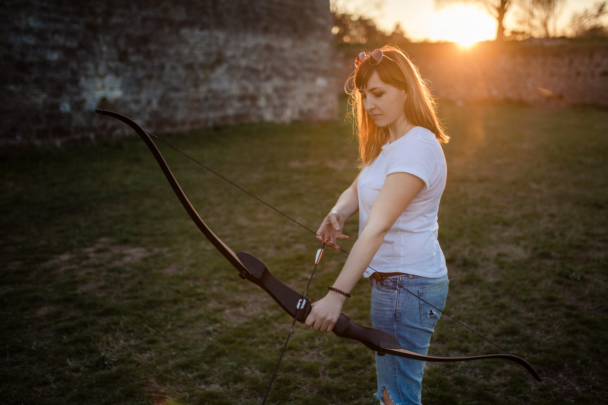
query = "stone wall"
{"x": 171, "y": 66}
{"x": 540, "y": 75}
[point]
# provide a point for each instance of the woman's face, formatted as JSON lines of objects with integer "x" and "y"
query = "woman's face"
{"x": 383, "y": 102}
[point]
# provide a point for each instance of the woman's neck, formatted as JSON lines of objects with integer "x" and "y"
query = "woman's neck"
{"x": 399, "y": 128}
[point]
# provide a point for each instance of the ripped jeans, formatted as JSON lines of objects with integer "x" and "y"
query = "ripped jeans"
{"x": 412, "y": 322}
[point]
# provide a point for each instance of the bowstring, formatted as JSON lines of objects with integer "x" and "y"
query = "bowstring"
{"x": 428, "y": 303}
{"x": 295, "y": 318}
{"x": 316, "y": 234}
{"x": 234, "y": 184}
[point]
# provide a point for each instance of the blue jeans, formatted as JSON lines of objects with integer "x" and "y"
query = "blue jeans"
{"x": 412, "y": 322}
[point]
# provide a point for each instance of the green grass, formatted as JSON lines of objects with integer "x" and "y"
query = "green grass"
{"x": 110, "y": 295}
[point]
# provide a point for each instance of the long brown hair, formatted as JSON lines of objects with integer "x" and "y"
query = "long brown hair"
{"x": 420, "y": 108}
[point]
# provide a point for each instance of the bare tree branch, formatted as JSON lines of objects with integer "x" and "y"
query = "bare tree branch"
{"x": 539, "y": 17}
{"x": 588, "y": 22}
{"x": 496, "y": 8}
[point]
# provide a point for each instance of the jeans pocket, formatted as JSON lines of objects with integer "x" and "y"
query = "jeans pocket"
{"x": 386, "y": 285}
{"x": 435, "y": 297}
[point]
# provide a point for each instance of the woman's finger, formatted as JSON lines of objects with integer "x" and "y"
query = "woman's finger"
{"x": 310, "y": 319}
{"x": 324, "y": 326}
{"x": 335, "y": 223}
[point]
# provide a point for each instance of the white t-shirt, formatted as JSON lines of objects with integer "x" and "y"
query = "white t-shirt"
{"x": 411, "y": 244}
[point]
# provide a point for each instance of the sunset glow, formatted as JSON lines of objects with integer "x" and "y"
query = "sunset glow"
{"x": 464, "y": 24}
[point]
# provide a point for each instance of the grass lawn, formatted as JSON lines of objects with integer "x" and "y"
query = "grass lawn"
{"x": 110, "y": 295}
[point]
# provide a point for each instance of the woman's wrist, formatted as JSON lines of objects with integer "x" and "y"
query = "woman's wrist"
{"x": 336, "y": 210}
{"x": 337, "y": 296}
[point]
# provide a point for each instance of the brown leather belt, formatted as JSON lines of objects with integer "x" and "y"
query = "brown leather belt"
{"x": 379, "y": 276}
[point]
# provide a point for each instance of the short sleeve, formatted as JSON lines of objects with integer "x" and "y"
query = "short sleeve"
{"x": 415, "y": 156}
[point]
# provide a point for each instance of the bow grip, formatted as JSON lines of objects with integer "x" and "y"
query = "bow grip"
{"x": 291, "y": 301}
{"x": 375, "y": 339}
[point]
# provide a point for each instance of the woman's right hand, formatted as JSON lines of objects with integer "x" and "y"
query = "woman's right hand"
{"x": 331, "y": 229}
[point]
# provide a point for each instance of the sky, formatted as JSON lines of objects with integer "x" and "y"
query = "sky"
{"x": 459, "y": 23}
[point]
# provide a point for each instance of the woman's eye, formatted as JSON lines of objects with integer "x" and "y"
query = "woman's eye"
{"x": 378, "y": 95}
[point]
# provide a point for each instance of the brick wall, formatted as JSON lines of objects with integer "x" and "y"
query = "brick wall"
{"x": 171, "y": 66}
{"x": 558, "y": 75}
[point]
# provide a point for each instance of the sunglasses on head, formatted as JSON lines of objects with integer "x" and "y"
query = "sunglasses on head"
{"x": 375, "y": 57}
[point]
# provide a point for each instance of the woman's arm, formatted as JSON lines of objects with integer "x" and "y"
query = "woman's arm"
{"x": 348, "y": 203}
{"x": 332, "y": 225}
{"x": 396, "y": 194}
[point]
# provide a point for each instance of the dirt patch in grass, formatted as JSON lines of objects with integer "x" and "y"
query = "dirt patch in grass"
{"x": 102, "y": 252}
{"x": 173, "y": 268}
{"x": 46, "y": 310}
{"x": 89, "y": 265}
{"x": 251, "y": 305}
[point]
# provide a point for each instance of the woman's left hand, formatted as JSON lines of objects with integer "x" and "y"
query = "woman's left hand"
{"x": 325, "y": 313}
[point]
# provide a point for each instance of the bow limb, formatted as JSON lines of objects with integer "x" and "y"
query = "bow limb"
{"x": 383, "y": 343}
{"x": 247, "y": 265}
{"x": 217, "y": 242}
{"x": 252, "y": 269}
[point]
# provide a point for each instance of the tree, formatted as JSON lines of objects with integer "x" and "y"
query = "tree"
{"x": 496, "y": 8}
{"x": 539, "y": 17}
{"x": 398, "y": 35}
{"x": 357, "y": 8}
{"x": 354, "y": 23}
{"x": 355, "y": 30}
{"x": 588, "y": 22}
{"x": 361, "y": 30}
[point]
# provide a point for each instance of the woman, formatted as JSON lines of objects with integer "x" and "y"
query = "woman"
{"x": 397, "y": 195}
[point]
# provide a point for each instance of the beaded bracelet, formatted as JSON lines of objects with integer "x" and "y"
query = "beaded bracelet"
{"x": 347, "y": 295}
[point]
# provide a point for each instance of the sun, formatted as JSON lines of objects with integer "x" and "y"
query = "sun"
{"x": 464, "y": 24}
